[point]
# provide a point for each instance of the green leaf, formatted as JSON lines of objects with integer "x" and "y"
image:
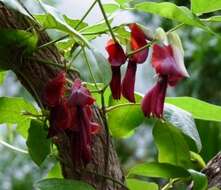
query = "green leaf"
{"x": 122, "y": 2}
{"x": 61, "y": 184}
{"x": 199, "y": 109}
{"x": 18, "y": 38}
{"x": 183, "y": 121}
{"x": 200, "y": 181}
{"x": 205, "y": 6}
{"x": 2, "y": 77}
{"x": 135, "y": 184}
{"x": 171, "y": 11}
{"x": 11, "y": 112}
{"x": 171, "y": 145}
{"x": 123, "y": 120}
{"x": 159, "y": 170}
{"x": 99, "y": 66}
{"x": 55, "y": 172}
{"x": 37, "y": 142}
{"x": 214, "y": 19}
{"x": 111, "y": 7}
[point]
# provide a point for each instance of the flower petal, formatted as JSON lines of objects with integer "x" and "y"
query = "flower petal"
{"x": 138, "y": 40}
{"x": 115, "y": 84}
{"x": 129, "y": 81}
{"x": 116, "y": 53}
{"x": 54, "y": 90}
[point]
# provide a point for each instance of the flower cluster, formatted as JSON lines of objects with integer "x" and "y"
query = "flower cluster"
{"x": 167, "y": 60}
{"x": 71, "y": 114}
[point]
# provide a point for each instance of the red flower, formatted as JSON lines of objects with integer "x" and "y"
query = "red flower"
{"x": 54, "y": 90}
{"x": 129, "y": 81}
{"x": 116, "y": 58}
{"x": 138, "y": 40}
{"x": 168, "y": 61}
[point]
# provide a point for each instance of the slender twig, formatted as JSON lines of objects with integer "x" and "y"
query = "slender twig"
{"x": 112, "y": 108}
{"x": 53, "y": 41}
{"x": 175, "y": 28}
{"x": 89, "y": 68}
{"x": 106, "y": 20}
{"x": 13, "y": 147}
{"x": 73, "y": 58}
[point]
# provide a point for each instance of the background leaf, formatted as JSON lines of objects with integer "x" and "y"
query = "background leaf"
{"x": 160, "y": 170}
{"x": 205, "y": 6}
{"x": 200, "y": 181}
{"x": 135, "y": 184}
{"x": 171, "y": 145}
{"x": 37, "y": 142}
{"x": 61, "y": 184}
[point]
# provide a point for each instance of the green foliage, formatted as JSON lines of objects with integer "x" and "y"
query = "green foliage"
{"x": 159, "y": 170}
{"x": 11, "y": 112}
{"x": 61, "y": 184}
{"x": 171, "y": 11}
{"x": 199, "y": 109}
{"x": 111, "y": 7}
{"x": 199, "y": 180}
{"x": 134, "y": 184}
{"x": 204, "y": 6}
{"x": 171, "y": 145}
{"x": 2, "y": 77}
{"x": 37, "y": 142}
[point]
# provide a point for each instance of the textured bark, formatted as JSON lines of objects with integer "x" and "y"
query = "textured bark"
{"x": 34, "y": 77}
{"x": 213, "y": 171}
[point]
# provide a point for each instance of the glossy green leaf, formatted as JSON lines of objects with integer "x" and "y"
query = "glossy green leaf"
{"x": 199, "y": 109}
{"x": 55, "y": 172}
{"x": 200, "y": 181}
{"x": 171, "y": 145}
{"x": 37, "y": 142}
{"x": 205, "y": 6}
{"x": 111, "y": 7}
{"x": 171, "y": 11}
{"x": 11, "y": 112}
{"x": 159, "y": 170}
{"x": 123, "y": 120}
{"x": 135, "y": 184}
{"x": 61, "y": 184}
{"x": 183, "y": 121}
{"x": 18, "y": 38}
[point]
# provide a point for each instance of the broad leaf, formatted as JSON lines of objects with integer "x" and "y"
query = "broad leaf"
{"x": 111, "y": 7}
{"x": 199, "y": 109}
{"x": 37, "y": 142}
{"x": 61, "y": 184}
{"x": 183, "y": 121}
{"x": 200, "y": 181}
{"x": 171, "y": 145}
{"x": 135, "y": 184}
{"x": 159, "y": 170}
{"x": 11, "y": 112}
{"x": 205, "y": 6}
{"x": 55, "y": 172}
{"x": 171, "y": 11}
{"x": 124, "y": 119}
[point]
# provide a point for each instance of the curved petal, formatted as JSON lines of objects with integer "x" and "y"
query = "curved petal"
{"x": 115, "y": 84}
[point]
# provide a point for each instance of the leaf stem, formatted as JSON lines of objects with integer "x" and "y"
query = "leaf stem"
{"x": 13, "y": 147}
{"x": 106, "y": 20}
{"x": 175, "y": 28}
{"x": 112, "y": 108}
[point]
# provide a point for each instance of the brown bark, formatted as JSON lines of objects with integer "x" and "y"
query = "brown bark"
{"x": 34, "y": 76}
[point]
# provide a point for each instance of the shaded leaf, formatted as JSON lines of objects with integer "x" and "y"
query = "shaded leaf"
{"x": 171, "y": 145}
{"x": 37, "y": 142}
{"x": 61, "y": 184}
{"x": 160, "y": 170}
{"x": 200, "y": 181}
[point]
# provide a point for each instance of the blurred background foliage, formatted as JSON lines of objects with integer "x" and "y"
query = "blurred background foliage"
{"x": 203, "y": 60}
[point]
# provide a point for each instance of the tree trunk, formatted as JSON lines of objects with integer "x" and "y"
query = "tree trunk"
{"x": 34, "y": 76}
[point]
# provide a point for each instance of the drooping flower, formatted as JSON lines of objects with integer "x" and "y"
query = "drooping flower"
{"x": 54, "y": 90}
{"x": 138, "y": 39}
{"x": 168, "y": 61}
{"x": 117, "y": 57}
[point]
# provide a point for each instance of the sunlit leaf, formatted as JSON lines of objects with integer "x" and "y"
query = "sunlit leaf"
{"x": 111, "y": 7}
{"x": 135, "y": 184}
{"x": 205, "y": 6}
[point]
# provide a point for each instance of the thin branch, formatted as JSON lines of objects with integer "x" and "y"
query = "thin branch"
{"x": 13, "y": 147}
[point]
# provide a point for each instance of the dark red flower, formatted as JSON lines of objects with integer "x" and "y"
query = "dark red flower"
{"x": 116, "y": 58}
{"x": 153, "y": 102}
{"x": 54, "y": 90}
{"x": 128, "y": 82}
{"x": 168, "y": 61}
{"x": 138, "y": 40}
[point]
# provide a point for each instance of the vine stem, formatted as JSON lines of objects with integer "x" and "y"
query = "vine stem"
{"x": 175, "y": 28}
{"x": 106, "y": 20}
{"x": 13, "y": 147}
